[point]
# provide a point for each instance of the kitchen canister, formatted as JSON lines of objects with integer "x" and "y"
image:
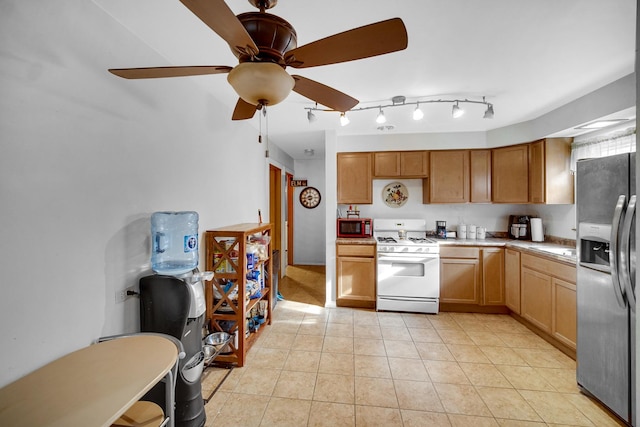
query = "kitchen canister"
{"x": 462, "y": 231}
{"x": 481, "y": 233}
{"x": 174, "y": 242}
{"x": 537, "y": 234}
{"x": 471, "y": 233}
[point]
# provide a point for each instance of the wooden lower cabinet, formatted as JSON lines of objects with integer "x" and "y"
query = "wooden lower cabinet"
{"x": 459, "y": 281}
{"x": 548, "y": 297}
{"x": 565, "y": 312}
{"x": 512, "y": 280}
{"x": 536, "y": 296}
{"x": 492, "y": 276}
{"x": 356, "y": 275}
{"x": 472, "y": 276}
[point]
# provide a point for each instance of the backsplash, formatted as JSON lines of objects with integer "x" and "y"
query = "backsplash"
{"x": 558, "y": 220}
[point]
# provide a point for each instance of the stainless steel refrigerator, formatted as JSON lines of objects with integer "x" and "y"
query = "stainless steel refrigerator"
{"x": 605, "y": 198}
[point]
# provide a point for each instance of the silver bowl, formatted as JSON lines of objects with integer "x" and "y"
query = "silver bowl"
{"x": 218, "y": 340}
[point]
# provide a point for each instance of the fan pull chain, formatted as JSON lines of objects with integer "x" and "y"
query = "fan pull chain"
{"x": 260, "y": 126}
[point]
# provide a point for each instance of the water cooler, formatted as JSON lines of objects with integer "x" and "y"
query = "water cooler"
{"x": 172, "y": 302}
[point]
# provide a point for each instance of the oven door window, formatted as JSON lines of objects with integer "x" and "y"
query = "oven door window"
{"x": 407, "y": 267}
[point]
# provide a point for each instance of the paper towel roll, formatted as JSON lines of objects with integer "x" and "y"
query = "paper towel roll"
{"x": 536, "y": 230}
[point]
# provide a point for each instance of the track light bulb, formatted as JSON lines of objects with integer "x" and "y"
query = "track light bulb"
{"x": 311, "y": 117}
{"x": 381, "y": 118}
{"x": 457, "y": 111}
{"x": 417, "y": 113}
{"x": 489, "y": 113}
{"x": 344, "y": 120}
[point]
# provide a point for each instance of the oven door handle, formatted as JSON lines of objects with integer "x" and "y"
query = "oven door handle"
{"x": 423, "y": 259}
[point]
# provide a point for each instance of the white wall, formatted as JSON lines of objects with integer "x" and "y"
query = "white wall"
{"x": 85, "y": 158}
{"x": 309, "y": 234}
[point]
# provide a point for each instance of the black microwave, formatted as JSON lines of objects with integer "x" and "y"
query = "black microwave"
{"x": 354, "y": 227}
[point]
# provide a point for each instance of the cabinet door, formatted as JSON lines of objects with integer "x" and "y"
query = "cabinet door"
{"x": 512, "y": 279}
{"x": 480, "y": 170}
{"x": 558, "y": 175}
{"x": 535, "y": 302}
{"x": 449, "y": 176}
{"x": 510, "y": 174}
{"x": 354, "y": 178}
{"x": 414, "y": 164}
{"x": 564, "y": 312}
{"x": 459, "y": 280}
{"x": 386, "y": 164}
{"x": 356, "y": 282}
{"x": 493, "y": 276}
{"x": 536, "y": 172}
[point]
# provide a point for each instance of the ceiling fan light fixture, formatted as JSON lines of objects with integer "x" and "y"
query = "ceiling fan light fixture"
{"x": 261, "y": 82}
{"x": 417, "y": 113}
{"x": 489, "y": 113}
{"x": 344, "y": 120}
{"x": 381, "y": 118}
{"x": 457, "y": 112}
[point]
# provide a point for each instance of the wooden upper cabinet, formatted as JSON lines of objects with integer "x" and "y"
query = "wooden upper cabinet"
{"x": 414, "y": 164}
{"x": 550, "y": 178}
{"x": 386, "y": 164}
{"x": 448, "y": 177}
{"x": 355, "y": 178}
{"x": 480, "y": 170}
{"x": 405, "y": 164}
{"x": 510, "y": 174}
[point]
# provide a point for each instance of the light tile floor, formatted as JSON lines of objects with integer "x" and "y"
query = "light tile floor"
{"x": 333, "y": 367}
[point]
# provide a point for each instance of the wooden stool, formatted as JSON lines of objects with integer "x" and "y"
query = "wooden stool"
{"x": 142, "y": 413}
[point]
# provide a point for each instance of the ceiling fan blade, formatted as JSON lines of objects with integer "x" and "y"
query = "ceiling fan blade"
{"x": 244, "y": 110}
{"x": 158, "y": 72}
{"x": 363, "y": 42}
{"x": 323, "y": 94}
{"x": 217, "y": 15}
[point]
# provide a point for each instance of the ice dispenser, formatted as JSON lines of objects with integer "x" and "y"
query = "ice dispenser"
{"x": 594, "y": 245}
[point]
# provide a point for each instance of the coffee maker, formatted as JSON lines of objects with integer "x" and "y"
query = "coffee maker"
{"x": 519, "y": 227}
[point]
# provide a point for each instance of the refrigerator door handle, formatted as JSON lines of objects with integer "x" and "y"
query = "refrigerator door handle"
{"x": 625, "y": 260}
{"x": 613, "y": 250}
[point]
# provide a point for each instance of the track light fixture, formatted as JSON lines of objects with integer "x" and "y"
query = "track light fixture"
{"x": 457, "y": 112}
{"x": 400, "y": 101}
{"x": 489, "y": 113}
{"x": 344, "y": 120}
{"x": 417, "y": 113}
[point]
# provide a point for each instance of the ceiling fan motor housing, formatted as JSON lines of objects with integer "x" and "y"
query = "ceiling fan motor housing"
{"x": 273, "y": 35}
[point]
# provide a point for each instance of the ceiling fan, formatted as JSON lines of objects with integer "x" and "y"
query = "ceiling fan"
{"x": 266, "y": 44}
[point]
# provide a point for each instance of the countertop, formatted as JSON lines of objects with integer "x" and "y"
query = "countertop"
{"x": 554, "y": 251}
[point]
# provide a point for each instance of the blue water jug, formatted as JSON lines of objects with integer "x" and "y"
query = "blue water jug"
{"x": 174, "y": 242}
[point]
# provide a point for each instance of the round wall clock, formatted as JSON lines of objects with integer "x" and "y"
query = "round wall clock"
{"x": 310, "y": 197}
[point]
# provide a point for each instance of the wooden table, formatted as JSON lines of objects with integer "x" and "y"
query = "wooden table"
{"x": 89, "y": 387}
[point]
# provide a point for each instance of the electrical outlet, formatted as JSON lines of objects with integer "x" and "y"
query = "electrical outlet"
{"x": 121, "y": 295}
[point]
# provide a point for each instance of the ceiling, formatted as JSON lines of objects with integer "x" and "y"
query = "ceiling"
{"x": 525, "y": 57}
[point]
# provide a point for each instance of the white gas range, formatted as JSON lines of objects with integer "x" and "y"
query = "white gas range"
{"x": 408, "y": 266}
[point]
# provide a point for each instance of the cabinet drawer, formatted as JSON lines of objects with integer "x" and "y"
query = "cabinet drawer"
{"x": 555, "y": 269}
{"x": 459, "y": 252}
{"x": 356, "y": 250}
